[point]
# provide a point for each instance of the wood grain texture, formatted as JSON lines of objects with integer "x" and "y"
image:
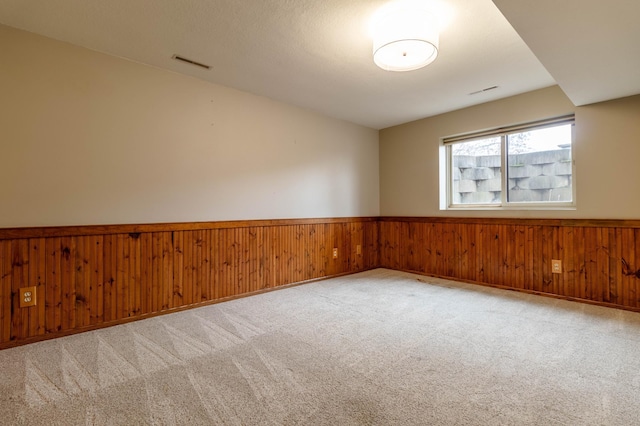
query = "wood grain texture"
{"x": 95, "y": 278}
{"x": 5, "y": 290}
{"x": 109, "y": 275}
{"x": 601, "y": 264}
{"x": 75, "y": 231}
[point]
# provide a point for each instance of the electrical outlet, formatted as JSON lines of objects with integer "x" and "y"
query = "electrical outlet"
{"x": 335, "y": 253}
{"x": 556, "y": 266}
{"x": 358, "y": 249}
{"x": 27, "y": 297}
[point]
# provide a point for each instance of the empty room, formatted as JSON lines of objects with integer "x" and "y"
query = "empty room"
{"x": 367, "y": 212}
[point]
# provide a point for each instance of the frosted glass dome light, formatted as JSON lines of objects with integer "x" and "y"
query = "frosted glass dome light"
{"x": 405, "y": 38}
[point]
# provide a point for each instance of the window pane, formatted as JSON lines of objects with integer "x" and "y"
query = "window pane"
{"x": 476, "y": 172}
{"x": 539, "y": 165}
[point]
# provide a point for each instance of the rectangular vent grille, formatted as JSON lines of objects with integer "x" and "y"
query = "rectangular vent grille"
{"x": 192, "y": 62}
{"x": 483, "y": 90}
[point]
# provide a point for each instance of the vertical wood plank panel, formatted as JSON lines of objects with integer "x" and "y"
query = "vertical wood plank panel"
{"x": 234, "y": 278}
{"x": 202, "y": 290}
{"x": 242, "y": 240}
{"x": 615, "y": 266}
{"x": 156, "y": 269}
{"x": 580, "y": 258}
{"x": 325, "y": 250}
{"x": 5, "y": 291}
{"x": 290, "y": 263}
{"x": 569, "y": 264}
{"x": 244, "y": 259}
{"x": 87, "y": 274}
{"x": 146, "y": 273}
{"x": 438, "y": 264}
{"x": 602, "y": 252}
{"x": 479, "y": 239}
{"x": 307, "y": 251}
{"x": 124, "y": 287}
{"x": 273, "y": 255}
{"x": 626, "y": 256}
{"x": 251, "y": 258}
{"x": 260, "y": 258}
{"x": 238, "y": 282}
{"x": 224, "y": 263}
{"x": 53, "y": 293}
{"x": 19, "y": 279}
{"x": 538, "y": 259}
{"x": 552, "y": 248}
{"x": 110, "y": 262}
{"x": 463, "y": 250}
{"x": 557, "y": 250}
{"x": 82, "y": 305}
{"x": 37, "y": 276}
{"x": 374, "y": 245}
{"x": 518, "y": 256}
{"x": 591, "y": 260}
{"x": 178, "y": 269}
{"x": 97, "y": 280}
{"x": 502, "y": 273}
{"x": 357, "y": 239}
{"x": 135, "y": 294}
{"x": 472, "y": 267}
{"x": 68, "y": 284}
{"x": 489, "y": 253}
{"x": 529, "y": 269}
{"x": 167, "y": 269}
{"x": 297, "y": 247}
{"x": 215, "y": 263}
{"x": 187, "y": 268}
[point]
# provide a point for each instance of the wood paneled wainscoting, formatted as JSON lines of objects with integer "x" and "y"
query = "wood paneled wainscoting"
{"x": 92, "y": 276}
{"x": 600, "y": 258}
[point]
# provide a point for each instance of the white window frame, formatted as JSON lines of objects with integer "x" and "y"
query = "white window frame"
{"x": 446, "y": 187}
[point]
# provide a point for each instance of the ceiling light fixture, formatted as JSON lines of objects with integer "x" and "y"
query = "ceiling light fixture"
{"x": 405, "y": 36}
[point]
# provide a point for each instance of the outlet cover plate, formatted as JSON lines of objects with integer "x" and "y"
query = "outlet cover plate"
{"x": 27, "y": 297}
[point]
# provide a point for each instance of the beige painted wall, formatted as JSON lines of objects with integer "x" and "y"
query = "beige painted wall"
{"x": 89, "y": 138}
{"x": 606, "y": 153}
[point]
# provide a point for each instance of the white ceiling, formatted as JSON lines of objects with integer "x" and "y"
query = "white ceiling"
{"x": 591, "y": 47}
{"x": 317, "y": 53}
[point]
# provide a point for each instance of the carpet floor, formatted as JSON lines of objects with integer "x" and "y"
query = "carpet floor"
{"x": 375, "y": 348}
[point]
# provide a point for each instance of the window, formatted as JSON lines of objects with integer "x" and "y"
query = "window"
{"x": 524, "y": 166}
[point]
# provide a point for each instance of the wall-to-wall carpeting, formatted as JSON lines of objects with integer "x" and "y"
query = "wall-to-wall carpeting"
{"x": 378, "y": 347}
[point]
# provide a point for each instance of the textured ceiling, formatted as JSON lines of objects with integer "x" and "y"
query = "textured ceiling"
{"x": 311, "y": 53}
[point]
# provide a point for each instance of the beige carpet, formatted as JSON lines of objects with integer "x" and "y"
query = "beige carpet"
{"x": 380, "y": 347}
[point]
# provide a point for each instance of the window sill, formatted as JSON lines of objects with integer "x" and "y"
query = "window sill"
{"x": 511, "y": 207}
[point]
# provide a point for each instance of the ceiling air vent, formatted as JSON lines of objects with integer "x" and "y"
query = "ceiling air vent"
{"x": 192, "y": 62}
{"x": 483, "y": 90}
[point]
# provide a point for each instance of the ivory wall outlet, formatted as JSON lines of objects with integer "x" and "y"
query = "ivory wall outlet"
{"x": 27, "y": 297}
{"x": 556, "y": 266}
{"x": 335, "y": 253}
